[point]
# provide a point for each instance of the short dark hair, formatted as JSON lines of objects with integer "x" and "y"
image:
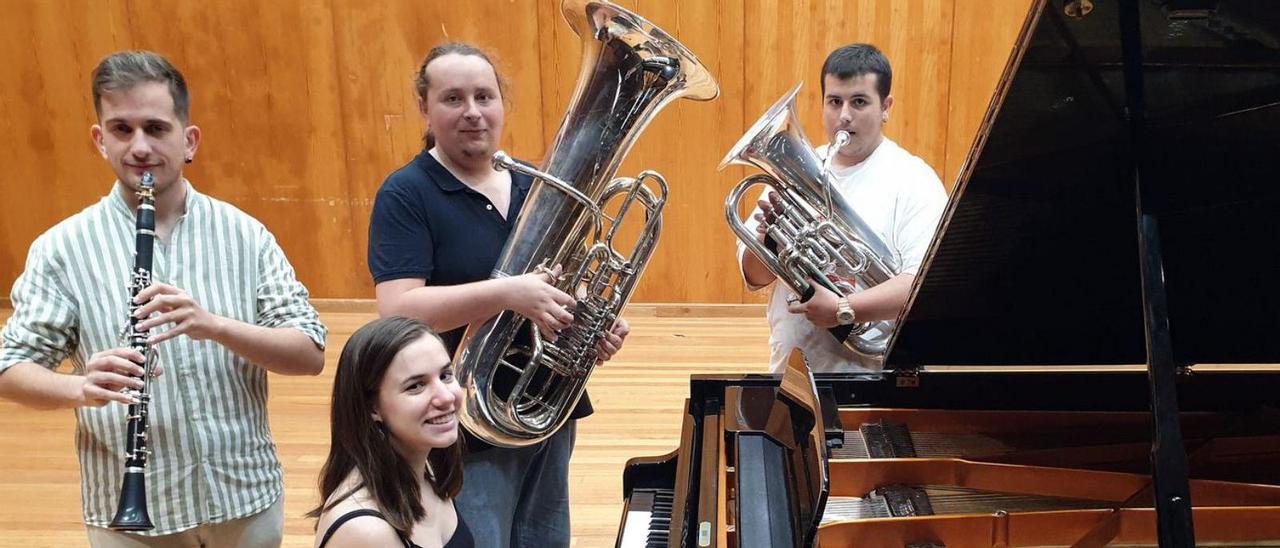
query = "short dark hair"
{"x": 356, "y": 442}
{"x": 421, "y": 81}
{"x": 123, "y": 70}
{"x": 856, "y": 60}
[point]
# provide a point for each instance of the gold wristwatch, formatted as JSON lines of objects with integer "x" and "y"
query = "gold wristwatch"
{"x": 844, "y": 312}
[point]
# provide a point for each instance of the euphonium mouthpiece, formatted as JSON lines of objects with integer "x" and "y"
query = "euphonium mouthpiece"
{"x": 842, "y": 138}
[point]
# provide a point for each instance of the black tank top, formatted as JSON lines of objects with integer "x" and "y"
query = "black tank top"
{"x": 461, "y": 535}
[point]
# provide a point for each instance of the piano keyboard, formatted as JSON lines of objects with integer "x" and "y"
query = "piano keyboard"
{"x": 648, "y": 521}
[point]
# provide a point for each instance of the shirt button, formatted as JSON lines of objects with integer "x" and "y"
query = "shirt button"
{"x": 489, "y": 207}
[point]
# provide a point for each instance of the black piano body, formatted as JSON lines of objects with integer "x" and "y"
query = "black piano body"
{"x": 757, "y": 467}
{"x": 1023, "y": 388}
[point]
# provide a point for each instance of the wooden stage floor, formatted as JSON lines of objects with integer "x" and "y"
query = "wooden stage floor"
{"x": 638, "y": 399}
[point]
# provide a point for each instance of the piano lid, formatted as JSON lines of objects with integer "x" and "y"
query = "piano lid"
{"x": 1037, "y": 259}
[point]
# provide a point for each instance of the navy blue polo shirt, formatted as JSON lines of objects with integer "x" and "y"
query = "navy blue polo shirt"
{"x": 428, "y": 224}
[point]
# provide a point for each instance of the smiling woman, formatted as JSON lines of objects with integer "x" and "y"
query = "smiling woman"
{"x": 394, "y": 462}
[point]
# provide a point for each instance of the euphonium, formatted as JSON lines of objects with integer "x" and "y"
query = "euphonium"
{"x": 131, "y": 508}
{"x": 817, "y": 236}
{"x": 630, "y": 70}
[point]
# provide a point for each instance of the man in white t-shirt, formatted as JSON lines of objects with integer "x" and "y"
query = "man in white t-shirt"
{"x": 897, "y": 194}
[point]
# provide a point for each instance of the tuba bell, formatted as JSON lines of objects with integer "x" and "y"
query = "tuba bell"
{"x": 817, "y": 236}
{"x": 631, "y": 69}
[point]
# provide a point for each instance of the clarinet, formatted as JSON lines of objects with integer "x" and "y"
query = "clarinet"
{"x": 131, "y": 512}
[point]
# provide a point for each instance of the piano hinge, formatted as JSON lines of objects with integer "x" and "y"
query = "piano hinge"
{"x": 906, "y": 378}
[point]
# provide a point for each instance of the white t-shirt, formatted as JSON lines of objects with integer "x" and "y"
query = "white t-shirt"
{"x": 901, "y": 198}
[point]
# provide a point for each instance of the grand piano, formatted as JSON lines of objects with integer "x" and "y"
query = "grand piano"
{"x": 1083, "y": 361}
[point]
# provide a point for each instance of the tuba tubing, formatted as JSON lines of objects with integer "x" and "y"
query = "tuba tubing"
{"x": 519, "y": 387}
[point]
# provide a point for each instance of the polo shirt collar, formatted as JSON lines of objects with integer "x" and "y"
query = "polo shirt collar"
{"x": 448, "y": 182}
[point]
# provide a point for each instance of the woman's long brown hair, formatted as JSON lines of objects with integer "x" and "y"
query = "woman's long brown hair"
{"x": 358, "y": 443}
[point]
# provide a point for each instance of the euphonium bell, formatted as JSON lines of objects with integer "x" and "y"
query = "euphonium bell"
{"x": 520, "y": 387}
{"x": 818, "y": 237}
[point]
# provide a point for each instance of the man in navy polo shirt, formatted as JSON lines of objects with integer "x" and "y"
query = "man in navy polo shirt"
{"x": 438, "y": 226}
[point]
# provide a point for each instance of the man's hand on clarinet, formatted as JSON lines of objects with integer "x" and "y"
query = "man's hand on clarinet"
{"x": 109, "y": 373}
{"x": 175, "y": 308}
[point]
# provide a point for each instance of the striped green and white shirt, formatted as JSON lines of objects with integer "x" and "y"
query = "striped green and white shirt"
{"x": 213, "y": 458}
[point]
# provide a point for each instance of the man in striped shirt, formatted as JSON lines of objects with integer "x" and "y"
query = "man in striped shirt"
{"x": 225, "y": 309}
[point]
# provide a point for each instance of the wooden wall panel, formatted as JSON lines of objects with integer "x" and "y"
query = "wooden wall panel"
{"x": 266, "y": 99}
{"x": 984, "y": 37}
{"x": 306, "y": 105}
{"x": 52, "y": 169}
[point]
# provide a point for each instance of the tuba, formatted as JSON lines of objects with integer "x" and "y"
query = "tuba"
{"x": 817, "y": 236}
{"x": 519, "y": 386}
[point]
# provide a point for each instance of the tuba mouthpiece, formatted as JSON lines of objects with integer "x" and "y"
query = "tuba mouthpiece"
{"x": 502, "y": 161}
